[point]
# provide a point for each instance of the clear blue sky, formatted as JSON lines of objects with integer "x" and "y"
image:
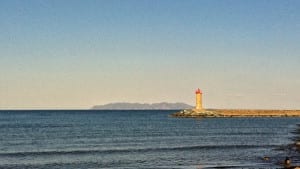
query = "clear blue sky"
{"x": 75, "y": 54}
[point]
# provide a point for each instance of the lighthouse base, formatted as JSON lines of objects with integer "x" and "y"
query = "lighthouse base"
{"x": 197, "y": 113}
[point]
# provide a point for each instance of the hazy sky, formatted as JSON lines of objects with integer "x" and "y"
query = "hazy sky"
{"x": 75, "y": 54}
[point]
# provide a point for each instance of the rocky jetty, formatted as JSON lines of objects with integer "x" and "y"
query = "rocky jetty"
{"x": 195, "y": 113}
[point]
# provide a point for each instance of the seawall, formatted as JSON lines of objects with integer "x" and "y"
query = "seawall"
{"x": 236, "y": 113}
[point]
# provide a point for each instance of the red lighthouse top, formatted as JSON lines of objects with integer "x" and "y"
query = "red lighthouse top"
{"x": 198, "y": 91}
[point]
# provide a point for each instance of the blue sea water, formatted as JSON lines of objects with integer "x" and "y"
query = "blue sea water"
{"x": 141, "y": 139}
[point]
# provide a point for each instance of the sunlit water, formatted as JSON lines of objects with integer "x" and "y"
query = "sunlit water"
{"x": 141, "y": 139}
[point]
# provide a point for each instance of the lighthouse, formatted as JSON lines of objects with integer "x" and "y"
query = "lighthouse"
{"x": 198, "y": 99}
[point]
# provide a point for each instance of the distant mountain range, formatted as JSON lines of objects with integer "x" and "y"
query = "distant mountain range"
{"x": 144, "y": 106}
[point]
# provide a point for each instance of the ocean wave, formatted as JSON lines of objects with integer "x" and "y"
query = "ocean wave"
{"x": 131, "y": 150}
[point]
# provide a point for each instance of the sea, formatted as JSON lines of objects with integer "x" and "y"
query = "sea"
{"x": 143, "y": 139}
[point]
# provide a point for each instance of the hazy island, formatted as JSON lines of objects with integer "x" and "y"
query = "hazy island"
{"x": 142, "y": 106}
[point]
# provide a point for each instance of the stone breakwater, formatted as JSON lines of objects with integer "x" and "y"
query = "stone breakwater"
{"x": 194, "y": 113}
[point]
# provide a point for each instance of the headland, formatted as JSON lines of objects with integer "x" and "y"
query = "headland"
{"x": 143, "y": 106}
{"x": 198, "y": 113}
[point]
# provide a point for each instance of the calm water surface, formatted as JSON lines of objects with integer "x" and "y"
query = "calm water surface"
{"x": 141, "y": 139}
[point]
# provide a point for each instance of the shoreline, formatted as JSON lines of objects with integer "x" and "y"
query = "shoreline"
{"x": 195, "y": 113}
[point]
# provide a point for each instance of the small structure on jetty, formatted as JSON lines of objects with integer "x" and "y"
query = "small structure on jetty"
{"x": 198, "y": 111}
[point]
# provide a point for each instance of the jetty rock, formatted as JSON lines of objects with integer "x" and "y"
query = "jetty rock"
{"x": 197, "y": 113}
